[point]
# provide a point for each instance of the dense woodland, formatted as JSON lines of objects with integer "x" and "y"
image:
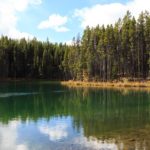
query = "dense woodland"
{"x": 103, "y": 53}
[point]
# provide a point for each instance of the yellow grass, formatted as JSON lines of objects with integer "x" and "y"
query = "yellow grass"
{"x": 115, "y": 84}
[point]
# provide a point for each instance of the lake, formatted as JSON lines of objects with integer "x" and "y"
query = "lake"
{"x": 44, "y": 116}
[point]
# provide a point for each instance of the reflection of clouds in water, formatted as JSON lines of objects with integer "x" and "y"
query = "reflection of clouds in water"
{"x": 60, "y": 132}
{"x": 93, "y": 144}
{"x": 8, "y": 137}
{"x": 61, "y": 128}
{"x": 56, "y": 132}
{"x": 21, "y": 147}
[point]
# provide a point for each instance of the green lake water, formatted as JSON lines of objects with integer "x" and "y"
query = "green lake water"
{"x": 44, "y": 116}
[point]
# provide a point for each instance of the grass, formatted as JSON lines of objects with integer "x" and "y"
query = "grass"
{"x": 117, "y": 84}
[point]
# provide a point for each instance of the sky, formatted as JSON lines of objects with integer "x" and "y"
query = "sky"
{"x": 61, "y": 20}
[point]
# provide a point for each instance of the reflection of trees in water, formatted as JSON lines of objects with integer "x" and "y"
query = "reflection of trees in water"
{"x": 101, "y": 113}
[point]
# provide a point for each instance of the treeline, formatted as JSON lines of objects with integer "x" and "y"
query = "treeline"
{"x": 30, "y": 59}
{"x": 103, "y": 53}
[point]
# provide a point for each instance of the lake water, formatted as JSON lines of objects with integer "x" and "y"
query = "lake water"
{"x": 43, "y": 116}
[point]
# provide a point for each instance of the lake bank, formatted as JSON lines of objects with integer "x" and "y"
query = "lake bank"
{"x": 115, "y": 84}
{"x": 145, "y": 84}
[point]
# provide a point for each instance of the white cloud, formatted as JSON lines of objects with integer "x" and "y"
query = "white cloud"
{"x": 109, "y": 13}
{"x": 8, "y": 16}
{"x": 56, "y": 132}
{"x": 56, "y": 22}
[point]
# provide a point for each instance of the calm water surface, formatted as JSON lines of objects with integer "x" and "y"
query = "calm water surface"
{"x": 42, "y": 116}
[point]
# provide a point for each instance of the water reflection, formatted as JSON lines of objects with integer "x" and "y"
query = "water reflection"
{"x": 8, "y": 137}
{"x": 56, "y": 129}
{"x": 58, "y": 117}
{"x": 18, "y": 136}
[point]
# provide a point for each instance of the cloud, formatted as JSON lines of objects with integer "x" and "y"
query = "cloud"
{"x": 56, "y": 132}
{"x": 9, "y": 19}
{"x": 109, "y": 13}
{"x": 56, "y": 22}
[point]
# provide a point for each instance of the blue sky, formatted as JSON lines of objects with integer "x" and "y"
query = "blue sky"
{"x": 61, "y": 20}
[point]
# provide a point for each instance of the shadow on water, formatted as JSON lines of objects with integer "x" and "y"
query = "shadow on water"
{"x": 107, "y": 116}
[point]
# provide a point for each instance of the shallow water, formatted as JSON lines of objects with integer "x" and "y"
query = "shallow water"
{"x": 39, "y": 116}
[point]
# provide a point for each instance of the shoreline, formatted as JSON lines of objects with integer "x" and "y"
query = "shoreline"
{"x": 117, "y": 84}
{"x": 145, "y": 84}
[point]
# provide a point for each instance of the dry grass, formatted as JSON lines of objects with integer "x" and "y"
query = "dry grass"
{"x": 114, "y": 84}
